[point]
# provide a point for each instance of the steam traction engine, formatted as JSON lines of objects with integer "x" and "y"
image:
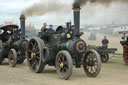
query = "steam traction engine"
{"x": 125, "y": 46}
{"x": 62, "y": 49}
{"x": 13, "y": 43}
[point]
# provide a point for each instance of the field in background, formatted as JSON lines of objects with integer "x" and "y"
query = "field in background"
{"x": 114, "y": 41}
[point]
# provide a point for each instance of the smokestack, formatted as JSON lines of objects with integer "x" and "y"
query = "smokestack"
{"x": 76, "y": 9}
{"x": 22, "y": 24}
{"x": 68, "y": 24}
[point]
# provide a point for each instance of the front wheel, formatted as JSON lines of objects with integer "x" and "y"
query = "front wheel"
{"x": 104, "y": 58}
{"x": 12, "y": 57}
{"x": 64, "y": 65}
{"x": 91, "y": 63}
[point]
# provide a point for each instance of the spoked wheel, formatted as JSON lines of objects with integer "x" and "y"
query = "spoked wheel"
{"x": 125, "y": 54}
{"x": 12, "y": 57}
{"x": 92, "y": 63}
{"x": 35, "y": 57}
{"x": 64, "y": 65}
{"x": 104, "y": 58}
{"x": 1, "y": 60}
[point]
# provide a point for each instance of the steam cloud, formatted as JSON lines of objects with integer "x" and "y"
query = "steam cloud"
{"x": 43, "y": 7}
{"x": 55, "y": 6}
{"x": 103, "y": 2}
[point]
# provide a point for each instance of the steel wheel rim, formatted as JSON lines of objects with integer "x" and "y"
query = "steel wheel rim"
{"x": 33, "y": 55}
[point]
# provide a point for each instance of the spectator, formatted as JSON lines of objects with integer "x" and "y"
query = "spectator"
{"x": 105, "y": 42}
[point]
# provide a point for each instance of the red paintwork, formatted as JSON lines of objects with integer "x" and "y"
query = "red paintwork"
{"x": 125, "y": 51}
{"x": 122, "y": 42}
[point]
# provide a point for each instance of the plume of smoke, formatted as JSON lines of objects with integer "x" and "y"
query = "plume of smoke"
{"x": 81, "y": 2}
{"x": 55, "y": 6}
{"x": 102, "y": 2}
{"x": 43, "y": 7}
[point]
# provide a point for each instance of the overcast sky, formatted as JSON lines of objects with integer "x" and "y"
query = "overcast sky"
{"x": 117, "y": 13}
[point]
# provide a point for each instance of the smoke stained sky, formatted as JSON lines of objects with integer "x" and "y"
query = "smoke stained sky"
{"x": 90, "y": 14}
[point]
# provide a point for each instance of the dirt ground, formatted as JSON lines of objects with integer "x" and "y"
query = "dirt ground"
{"x": 114, "y": 72}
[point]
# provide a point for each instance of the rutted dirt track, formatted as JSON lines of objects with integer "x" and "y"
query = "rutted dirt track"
{"x": 115, "y": 72}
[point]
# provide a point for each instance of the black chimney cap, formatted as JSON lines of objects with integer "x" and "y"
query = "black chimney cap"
{"x": 22, "y": 17}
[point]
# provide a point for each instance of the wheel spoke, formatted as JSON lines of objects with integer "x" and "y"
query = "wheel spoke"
{"x": 63, "y": 58}
{"x": 93, "y": 56}
{"x": 95, "y": 67}
{"x": 89, "y": 69}
{"x": 33, "y": 65}
{"x": 35, "y": 45}
{"x": 59, "y": 60}
{"x": 36, "y": 48}
{"x": 11, "y": 58}
{"x": 37, "y": 52}
{"x": 63, "y": 70}
{"x": 32, "y": 44}
{"x": 12, "y": 61}
{"x": 10, "y": 54}
{"x": 30, "y": 51}
{"x": 66, "y": 62}
{"x": 37, "y": 57}
{"x": 92, "y": 69}
{"x": 30, "y": 59}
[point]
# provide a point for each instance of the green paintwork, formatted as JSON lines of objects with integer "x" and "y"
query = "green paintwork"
{"x": 63, "y": 46}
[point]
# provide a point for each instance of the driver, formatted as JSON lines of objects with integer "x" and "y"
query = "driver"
{"x": 44, "y": 29}
{"x": 50, "y": 29}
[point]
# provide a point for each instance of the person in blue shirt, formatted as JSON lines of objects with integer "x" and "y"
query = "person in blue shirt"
{"x": 50, "y": 29}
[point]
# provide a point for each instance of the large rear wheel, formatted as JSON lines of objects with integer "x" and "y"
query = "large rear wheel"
{"x": 91, "y": 63}
{"x": 35, "y": 56}
{"x": 64, "y": 65}
{"x": 12, "y": 57}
